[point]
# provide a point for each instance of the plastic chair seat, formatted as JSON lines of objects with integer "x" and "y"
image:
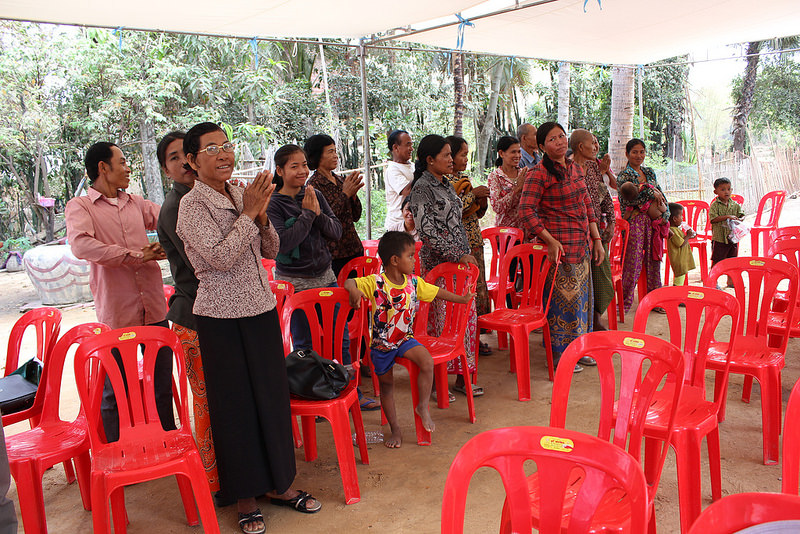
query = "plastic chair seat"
{"x": 502, "y": 318}
{"x": 747, "y": 353}
{"x": 50, "y": 442}
{"x": 162, "y": 449}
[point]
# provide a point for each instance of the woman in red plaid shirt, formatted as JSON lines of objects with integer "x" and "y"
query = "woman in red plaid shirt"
{"x": 556, "y": 208}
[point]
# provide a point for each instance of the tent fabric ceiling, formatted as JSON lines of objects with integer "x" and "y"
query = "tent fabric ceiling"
{"x": 623, "y": 32}
{"x": 346, "y": 19}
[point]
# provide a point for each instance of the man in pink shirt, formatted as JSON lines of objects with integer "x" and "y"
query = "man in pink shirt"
{"x": 108, "y": 228}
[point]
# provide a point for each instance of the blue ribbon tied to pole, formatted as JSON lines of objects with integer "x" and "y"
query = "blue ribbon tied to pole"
{"x": 462, "y": 23}
{"x": 118, "y": 33}
{"x": 599, "y": 3}
{"x": 254, "y": 46}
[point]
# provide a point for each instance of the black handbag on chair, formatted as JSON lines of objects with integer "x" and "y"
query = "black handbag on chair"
{"x": 18, "y": 390}
{"x": 312, "y": 377}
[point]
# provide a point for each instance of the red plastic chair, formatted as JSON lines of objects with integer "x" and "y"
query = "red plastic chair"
{"x": 168, "y": 292}
{"x": 763, "y": 227}
{"x": 559, "y": 454}
{"x": 739, "y": 199}
{"x": 370, "y": 247}
{"x": 787, "y": 250}
{"x": 616, "y": 255}
{"x": 449, "y": 345}
{"x": 692, "y": 331}
{"x": 269, "y": 265}
{"x": 52, "y": 440}
{"x": 735, "y": 513}
{"x": 46, "y": 322}
{"x": 645, "y": 363}
{"x": 501, "y": 238}
{"x": 363, "y": 266}
{"x": 782, "y": 234}
{"x": 282, "y": 291}
{"x": 617, "y": 210}
{"x": 319, "y": 306}
{"x": 790, "y": 466}
{"x": 533, "y": 269}
{"x": 145, "y": 451}
{"x": 757, "y": 353}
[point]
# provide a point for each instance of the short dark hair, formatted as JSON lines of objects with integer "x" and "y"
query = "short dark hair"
{"x": 632, "y": 143}
{"x": 314, "y": 146}
{"x": 719, "y": 181}
{"x": 161, "y": 150}
{"x": 282, "y": 155}
{"x": 393, "y": 244}
{"x": 675, "y": 209}
{"x": 394, "y": 138}
{"x": 98, "y": 152}
{"x": 191, "y": 142}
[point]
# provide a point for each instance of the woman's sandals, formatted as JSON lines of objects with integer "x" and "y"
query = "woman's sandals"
{"x": 299, "y": 503}
{"x": 252, "y": 517}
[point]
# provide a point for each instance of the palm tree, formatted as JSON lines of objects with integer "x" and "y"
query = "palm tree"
{"x": 621, "y": 113}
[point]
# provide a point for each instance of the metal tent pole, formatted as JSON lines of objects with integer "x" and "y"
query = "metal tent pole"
{"x": 641, "y": 103}
{"x": 362, "y": 60}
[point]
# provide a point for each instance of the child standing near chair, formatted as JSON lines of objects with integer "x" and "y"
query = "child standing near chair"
{"x": 678, "y": 249}
{"x": 722, "y": 210}
{"x": 394, "y": 296}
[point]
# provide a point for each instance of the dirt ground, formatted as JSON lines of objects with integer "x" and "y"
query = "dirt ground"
{"x": 401, "y": 490}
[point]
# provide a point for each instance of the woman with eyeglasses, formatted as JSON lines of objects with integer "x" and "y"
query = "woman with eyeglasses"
{"x": 226, "y": 232}
{"x": 556, "y": 208}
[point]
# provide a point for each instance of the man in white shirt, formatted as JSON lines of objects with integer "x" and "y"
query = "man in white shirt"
{"x": 398, "y": 176}
{"x": 526, "y": 134}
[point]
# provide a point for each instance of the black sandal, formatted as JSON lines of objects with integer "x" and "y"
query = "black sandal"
{"x": 252, "y": 517}
{"x": 299, "y": 503}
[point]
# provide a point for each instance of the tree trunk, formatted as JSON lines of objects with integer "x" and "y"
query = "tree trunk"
{"x": 745, "y": 101}
{"x": 488, "y": 120}
{"x": 154, "y": 190}
{"x": 564, "y": 71}
{"x": 458, "y": 87}
{"x": 621, "y": 129}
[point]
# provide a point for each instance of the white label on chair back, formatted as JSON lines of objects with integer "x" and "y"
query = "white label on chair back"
{"x": 127, "y": 335}
{"x": 554, "y": 443}
{"x": 325, "y": 293}
{"x": 696, "y": 295}
{"x": 757, "y": 263}
{"x": 634, "y": 342}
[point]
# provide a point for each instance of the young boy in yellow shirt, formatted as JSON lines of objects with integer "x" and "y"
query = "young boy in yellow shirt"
{"x": 394, "y": 298}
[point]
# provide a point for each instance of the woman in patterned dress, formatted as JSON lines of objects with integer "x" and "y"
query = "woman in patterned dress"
{"x": 437, "y": 214}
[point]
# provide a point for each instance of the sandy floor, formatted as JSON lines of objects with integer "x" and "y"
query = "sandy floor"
{"x": 401, "y": 489}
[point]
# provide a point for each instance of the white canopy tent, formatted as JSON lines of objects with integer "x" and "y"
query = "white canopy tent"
{"x": 596, "y": 31}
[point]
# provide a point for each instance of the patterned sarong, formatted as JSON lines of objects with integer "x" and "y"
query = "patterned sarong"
{"x": 603, "y": 285}
{"x": 570, "y": 314}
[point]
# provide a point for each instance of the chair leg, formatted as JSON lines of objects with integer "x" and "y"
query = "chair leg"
{"x": 83, "y": 468}
{"x": 309, "y": 437}
{"x": 340, "y": 423}
{"x": 468, "y": 388}
{"x": 548, "y": 351}
{"x": 298, "y": 440}
{"x": 69, "y": 471}
{"x": 442, "y": 386}
{"x": 100, "y": 520}
{"x": 704, "y": 262}
{"x": 714, "y": 464}
{"x": 747, "y": 388}
{"x": 620, "y": 298}
{"x": 719, "y": 391}
{"x": 521, "y": 357}
{"x": 205, "y": 505}
{"x": 187, "y": 496}
{"x": 31, "y": 497}
{"x": 119, "y": 514}
{"x": 361, "y": 438}
{"x": 612, "y": 312}
{"x": 423, "y": 436}
{"x": 512, "y": 365}
{"x": 687, "y": 455}
{"x": 666, "y": 270}
{"x": 771, "y": 415}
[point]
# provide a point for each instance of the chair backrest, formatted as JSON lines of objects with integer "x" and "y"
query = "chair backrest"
{"x": 49, "y": 394}
{"x": 695, "y": 213}
{"x": 756, "y": 294}
{"x": 363, "y": 266}
{"x": 787, "y": 233}
{"x": 269, "y": 265}
{"x": 790, "y": 463}
{"x": 557, "y": 453}
{"x": 619, "y": 243}
{"x": 776, "y": 200}
{"x": 788, "y": 250}
{"x": 737, "y": 512}
{"x": 46, "y": 323}
{"x": 458, "y": 278}
{"x": 638, "y": 383}
{"x": 140, "y": 428}
{"x": 617, "y": 210}
{"x": 282, "y": 291}
{"x": 693, "y": 330}
{"x": 320, "y": 306}
{"x": 501, "y": 238}
{"x": 532, "y": 271}
{"x": 370, "y": 247}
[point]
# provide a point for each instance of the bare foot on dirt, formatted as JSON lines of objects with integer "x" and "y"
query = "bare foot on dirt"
{"x": 425, "y": 415}
{"x": 394, "y": 441}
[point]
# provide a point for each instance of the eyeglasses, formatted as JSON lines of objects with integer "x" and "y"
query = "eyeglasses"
{"x": 213, "y": 150}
